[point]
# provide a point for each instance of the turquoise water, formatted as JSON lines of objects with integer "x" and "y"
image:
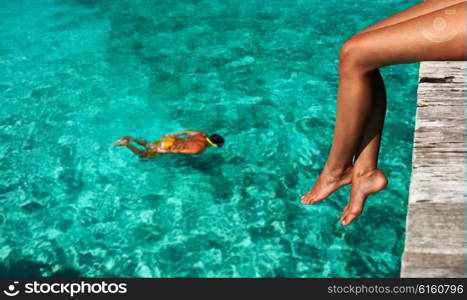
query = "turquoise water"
{"x": 76, "y": 75}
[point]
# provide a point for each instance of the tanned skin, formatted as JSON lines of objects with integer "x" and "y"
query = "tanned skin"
{"x": 194, "y": 143}
{"x": 430, "y": 31}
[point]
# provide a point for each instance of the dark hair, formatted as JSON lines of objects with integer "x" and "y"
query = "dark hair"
{"x": 217, "y": 139}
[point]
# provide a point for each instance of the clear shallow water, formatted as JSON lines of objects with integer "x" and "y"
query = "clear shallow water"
{"x": 76, "y": 75}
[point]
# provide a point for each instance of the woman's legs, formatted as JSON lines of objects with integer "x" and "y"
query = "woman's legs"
{"x": 125, "y": 141}
{"x": 423, "y": 39}
{"x": 426, "y": 42}
{"x": 367, "y": 154}
{"x": 333, "y": 180}
{"x": 355, "y": 98}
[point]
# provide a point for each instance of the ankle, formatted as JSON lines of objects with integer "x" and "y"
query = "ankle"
{"x": 336, "y": 170}
{"x": 360, "y": 172}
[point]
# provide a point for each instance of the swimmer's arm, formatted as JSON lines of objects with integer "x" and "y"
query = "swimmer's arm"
{"x": 186, "y": 132}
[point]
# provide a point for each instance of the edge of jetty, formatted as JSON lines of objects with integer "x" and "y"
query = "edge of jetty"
{"x": 435, "y": 240}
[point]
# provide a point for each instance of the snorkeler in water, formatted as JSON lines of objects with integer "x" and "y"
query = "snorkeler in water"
{"x": 194, "y": 143}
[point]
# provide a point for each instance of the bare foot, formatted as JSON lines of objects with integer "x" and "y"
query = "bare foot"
{"x": 327, "y": 183}
{"x": 362, "y": 185}
{"x": 121, "y": 141}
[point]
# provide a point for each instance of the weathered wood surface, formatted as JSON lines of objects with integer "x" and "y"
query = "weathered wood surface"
{"x": 435, "y": 242}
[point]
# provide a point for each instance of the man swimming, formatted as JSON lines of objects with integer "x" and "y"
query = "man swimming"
{"x": 195, "y": 143}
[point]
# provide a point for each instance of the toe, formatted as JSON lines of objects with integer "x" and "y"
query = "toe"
{"x": 347, "y": 219}
{"x": 344, "y": 213}
{"x": 306, "y": 199}
{"x": 352, "y": 213}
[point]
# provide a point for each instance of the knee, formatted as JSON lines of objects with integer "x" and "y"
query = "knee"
{"x": 352, "y": 57}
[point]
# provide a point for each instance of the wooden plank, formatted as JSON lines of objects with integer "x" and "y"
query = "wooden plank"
{"x": 435, "y": 243}
{"x": 445, "y": 224}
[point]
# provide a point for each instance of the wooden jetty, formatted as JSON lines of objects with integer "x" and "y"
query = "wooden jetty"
{"x": 435, "y": 241}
